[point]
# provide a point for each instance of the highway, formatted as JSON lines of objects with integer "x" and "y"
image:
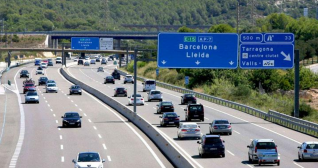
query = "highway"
{"x": 47, "y": 144}
{"x": 246, "y": 127}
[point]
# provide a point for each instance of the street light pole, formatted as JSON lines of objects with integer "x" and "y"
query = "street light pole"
{"x": 238, "y": 16}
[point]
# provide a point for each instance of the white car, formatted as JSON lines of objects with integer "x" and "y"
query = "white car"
{"x": 51, "y": 87}
{"x": 93, "y": 61}
{"x": 260, "y": 146}
{"x": 189, "y": 130}
{"x": 86, "y": 63}
{"x": 154, "y": 95}
{"x": 88, "y": 159}
{"x": 76, "y": 59}
{"x": 31, "y": 96}
{"x": 58, "y": 60}
{"x": 139, "y": 99}
{"x": 39, "y": 71}
{"x": 308, "y": 150}
{"x": 43, "y": 65}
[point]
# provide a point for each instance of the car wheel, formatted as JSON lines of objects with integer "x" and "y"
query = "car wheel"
{"x": 303, "y": 159}
{"x": 38, "y": 102}
{"x": 278, "y": 163}
{"x": 70, "y": 93}
{"x": 202, "y": 119}
{"x": 299, "y": 158}
{"x": 223, "y": 155}
{"x": 249, "y": 159}
{"x": 211, "y": 132}
{"x": 259, "y": 163}
{"x": 230, "y": 133}
{"x": 26, "y": 102}
{"x": 80, "y": 93}
{"x": 104, "y": 82}
{"x": 124, "y": 82}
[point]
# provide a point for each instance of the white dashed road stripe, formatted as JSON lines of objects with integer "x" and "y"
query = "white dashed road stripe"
{"x": 230, "y": 152}
{"x": 104, "y": 146}
{"x": 99, "y": 136}
{"x": 109, "y": 159}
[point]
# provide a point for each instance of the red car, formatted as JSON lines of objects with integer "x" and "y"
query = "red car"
{"x": 28, "y": 87}
{"x": 45, "y": 61}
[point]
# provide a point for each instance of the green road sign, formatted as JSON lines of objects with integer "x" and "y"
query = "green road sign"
{"x": 190, "y": 39}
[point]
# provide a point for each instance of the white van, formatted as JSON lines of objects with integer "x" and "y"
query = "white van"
{"x": 149, "y": 85}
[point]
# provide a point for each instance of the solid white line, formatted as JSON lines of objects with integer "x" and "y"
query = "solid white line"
{"x": 62, "y": 159}
{"x": 95, "y": 128}
{"x": 56, "y": 121}
{"x": 89, "y": 120}
{"x": 104, "y": 146}
{"x": 61, "y": 137}
{"x": 85, "y": 114}
{"x": 230, "y": 152}
{"x": 206, "y": 118}
{"x": 236, "y": 132}
{"x": 298, "y": 165}
{"x": 109, "y": 159}
{"x": 99, "y": 136}
{"x": 62, "y": 147}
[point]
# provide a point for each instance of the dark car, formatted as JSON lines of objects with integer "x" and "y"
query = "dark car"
{"x": 104, "y": 61}
{"x": 75, "y": 89}
{"x": 116, "y": 74}
{"x": 71, "y": 119}
{"x": 42, "y": 80}
{"x": 50, "y": 63}
{"x": 169, "y": 118}
{"x": 24, "y": 74}
{"x": 120, "y": 91}
{"x": 28, "y": 87}
{"x": 97, "y": 59}
{"x": 188, "y": 99}
{"x": 80, "y": 62}
{"x": 165, "y": 106}
{"x": 211, "y": 145}
{"x": 100, "y": 69}
{"x": 194, "y": 111}
{"x": 109, "y": 79}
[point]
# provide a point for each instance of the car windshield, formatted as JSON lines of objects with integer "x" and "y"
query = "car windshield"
{"x": 58, "y": 58}
{"x": 43, "y": 63}
{"x": 29, "y": 84}
{"x": 75, "y": 87}
{"x": 265, "y": 145}
{"x": 213, "y": 141}
{"x": 171, "y": 115}
{"x": 50, "y": 81}
{"x": 221, "y": 122}
{"x": 88, "y": 157}
{"x": 156, "y": 92}
{"x": 189, "y": 126}
{"x": 137, "y": 95}
{"x": 43, "y": 78}
{"x": 109, "y": 77}
{"x": 120, "y": 89}
{"x": 100, "y": 68}
{"x": 32, "y": 94}
{"x": 128, "y": 76}
{"x": 24, "y": 71}
{"x": 71, "y": 115}
{"x": 189, "y": 95}
{"x": 166, "y": 104}
{"x": 39, "y": 68}
{"x": 51, "y": 85}
{"x": 150, "y": 82}
{"x": 312, "y": 146}
{"x": 196, "y": 108}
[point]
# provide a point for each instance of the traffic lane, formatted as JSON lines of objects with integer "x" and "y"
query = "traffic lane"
{"x": 38, "y": 124}
{"x": 247, "y": 141}
{"x": 111, "y": 127}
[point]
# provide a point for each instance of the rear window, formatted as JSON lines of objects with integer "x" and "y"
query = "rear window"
{"x": 120, "y": 89}
{"x": 51, "y": 85}
{"x": 43, "y": 78}
{"x": 58, "y": 58}
{"x": 166, "y": 103}
{"x": 265, "y": 145}
{"x": 137, "y": 95}
{"x": 75, "y": 87}
{"x": 109, "y": 77}
{"x": 30, "y": 84}
{"x": 312, "y": 146}
{"x": 196, "y": 108}
{"x": 189, "y": 95}
{"x": 221, "y": 122}
{"x": 128, "y": 76}
{"x": 156, "y": 92}
{"x": 213, "y": 141}
{"x": 189, "y": 126}
{"x": 171, "y": 115}
{"x": 150, "y": 82}
{"x": 32, "y": 94}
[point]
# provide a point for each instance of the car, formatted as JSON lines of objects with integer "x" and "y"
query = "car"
{"x": 194, "y": 111}
{"x": 87, "y": 58}
{"x": 109, "y": 79}
{"x": 120, "y": 91}
{"x": 50, "y": 63}
{"x": 50, "y": 81}
{"x": 50, "y": 60}
{"x": 86, "y": 63}
{"x": 31, "y": 96}
{"x": 37, "y": 61}
{"x": 75, "y": 59}
{"x": 139, "y": 99}
{"x": 211, "y": 145}
{"x": 80, "y": 62}
{"x": 97, "y": 59}
{"x": 116, "y": 74}
{"x": 43, "y": 65}
{"x": 259, "y": 146}
{"x": 165, "y": 106}
{"x": 93, "y": 61}
{"x": 100, "y": 69}
{"x": 51, "y": 87}
{"x": 88, "y": 159}
{"x": 75, "y": 89}
{"x": 24, "y": 73}
{"x": 308, "y": 151}
{"x": 45, "y": 61}
{"x": 110, "y": 59}
{"x": 39, "y": 70}
{"x": 154, "y": 95}
{"x": 42, "y": 80}
{"x": 104, "y": 61}
{"x": 220, "y": 126}
{"x": 148, "y": 85}
{"x": 28, "y": 87}
{"x": 169, "y": 118}
{"x": 128, "y": 79}
{"x": 58, "y": 60}
{"x": 188, "y": 98}
{"x": 71, "y": 119}
{"x": 189, "y": 130}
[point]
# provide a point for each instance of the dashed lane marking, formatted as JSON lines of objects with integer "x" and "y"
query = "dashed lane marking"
{"x": 237, "y": 132}
{"x": 230, "y": 152}
{"x": 109, "y": 159}
{"x": 62, "y": 159}
{"x": 104, "y": 146}
{"x": 56, "y": 121}
{"x": 94, "y": 127}
{"x": 89, "y": 120}
{"x": 99, "y": 136}
{"x": 61, "y": 137}
{"x": 62, "y": 147}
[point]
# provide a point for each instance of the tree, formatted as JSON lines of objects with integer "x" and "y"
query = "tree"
{"x": 222, "y": 28}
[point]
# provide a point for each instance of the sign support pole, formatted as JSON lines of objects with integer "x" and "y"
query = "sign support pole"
{"x": 135, "y": 79}
{"x": 296, "y": 103}
{"x": 127, "y": 56}
{"x": 63, "y": 55}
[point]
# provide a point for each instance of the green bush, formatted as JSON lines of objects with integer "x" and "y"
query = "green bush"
{"x": 242, "y": 91}
{"x": 304, "y": 110}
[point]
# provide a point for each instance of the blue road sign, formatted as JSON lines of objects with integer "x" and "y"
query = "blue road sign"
{"x": 197, "y": 50}
{"x": 157, "y": 72}
{"x": 85, "y": 43}
{"x": 275, "y": 51}
{"x": 186, "y": 80}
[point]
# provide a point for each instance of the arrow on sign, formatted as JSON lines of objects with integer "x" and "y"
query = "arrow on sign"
{"x": 231, "y": 63}
{"x": 163, "y": 62}
{"x": 287, "y": 57}
{"x": 197, "y": 62}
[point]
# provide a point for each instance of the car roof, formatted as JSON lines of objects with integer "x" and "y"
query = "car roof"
{"x": 188, "y": 123}
{"x": 221, "y": 120}
{"x": 170, "y": 113}
{"x": 212, "y": 136}
{"x": 311, "y": 142}
{"x": 120, "y": 87}
{"x": 71, "y": 112}
{"x": 264, "y": 140}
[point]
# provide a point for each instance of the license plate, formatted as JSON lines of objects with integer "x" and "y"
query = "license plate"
{"x": 196, "y": 115}
{"x": 167, "y": 107}
{"x": 222, "y": 127}
{"x": 212, "y": 148}
{"x": 189, "y": 102}
{"x": 72, "y": 123}
{"x": 171, "y": 122}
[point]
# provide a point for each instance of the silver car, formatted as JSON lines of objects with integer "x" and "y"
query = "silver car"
{"x": 154, "y": 95}
{"x": 31, "y": 96}
{"x": 220, "y": 126}
{"x": 128, "y": 79}
{"x": 189, "y": 129}
{"x": 308, "y": 150}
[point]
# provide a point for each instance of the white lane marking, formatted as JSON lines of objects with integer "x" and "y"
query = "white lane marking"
{"x": 298, "y": 165}
{"x": 94, "y": 127}
{"x": 72, "y": 101}
{"x": 251, "y": 139}
{"x": 80, "y": 110}
{"x": 51, "y": 109}
{"x": 206, "y": 118}
{"x": 62, "y": 159}
{"x": 45, "y": 101}
{"x": 43, "y": 97}
{"x": 62, "y": 147}
{"x": 135, "y": 132}
{"x": 59, "y": 129}
{"x": 104, "y": 146}
{"x": 68, "y": 97}
{"x": 59, "y": 89}
{"x": 85, "y": 114}
{"x": 42, "y": 94}
{"x": 48, "y": 105}
{"x": 108, "y": 86}
{"x": 76, "y": 105}
{"x": 230, "y": 152}
{"x": 109, "y": 159}
{"x": 99, "y": 136}
{"x": 236, "y": 132}
{"x": 146, "y": 104}
{"x": 154, "y": 108}
{"x": 182, "y": 108}
{"x": 65, "y": 94}
{"x": 249, "y": 165}
{"x": 61, "y": 137}
{"x": 54, "y": 115}
{"x": 89, "y": 120}
{"x": 62, "y": 91}
{"x": 56, "y": 121}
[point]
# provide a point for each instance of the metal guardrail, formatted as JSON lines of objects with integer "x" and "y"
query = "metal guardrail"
{"x": 293, "y": 123}
{"x": 12, "y": 66}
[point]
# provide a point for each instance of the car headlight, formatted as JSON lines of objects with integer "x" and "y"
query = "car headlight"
{"x": 78, "y": 120}
{"x": 65, "y": 120}
{"x": 80, "y": 91}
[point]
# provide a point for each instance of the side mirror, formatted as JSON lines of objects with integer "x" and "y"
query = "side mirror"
{"x": 143, "y": 83}
{"x": 160, "y": 116}
{"x": 223, "y": 141}
{"x": 298, "y": 147}
{"x": 103, "y": 160}
{"x": 129, "y": 97}
{"x": 80, "y": 116}
{"x": 198, "y": 142}
{"x": 62, "y": 117}
{"x": 230, "y": 123}
{"x": 73, "y": 161}
{"x": 248, "y": 146}
{"x": 184, "y": 109}
{"x": 157, "y": 105}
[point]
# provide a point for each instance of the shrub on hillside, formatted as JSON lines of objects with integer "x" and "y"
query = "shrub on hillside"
{"x": 304, "y": 110}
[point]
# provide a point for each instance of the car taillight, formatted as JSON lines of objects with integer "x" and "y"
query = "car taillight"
{"x": 276, "y": 149}
{"x": 172, "y": 107}
{"x": 165, "y": 119}
{"x": 184, "y": 130}
{"x": 195, "y": 98}
{"x": 229, "y": 126}
{"x": 305, "y": 151}
{"x": 197, "y": 129}
{"x": 177, "y": 118}
{"x": 255, "y": 149}
{"x": 215, "y": 127}
{"x": 142, "y": 99}
{"x": 131, "y": 99}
